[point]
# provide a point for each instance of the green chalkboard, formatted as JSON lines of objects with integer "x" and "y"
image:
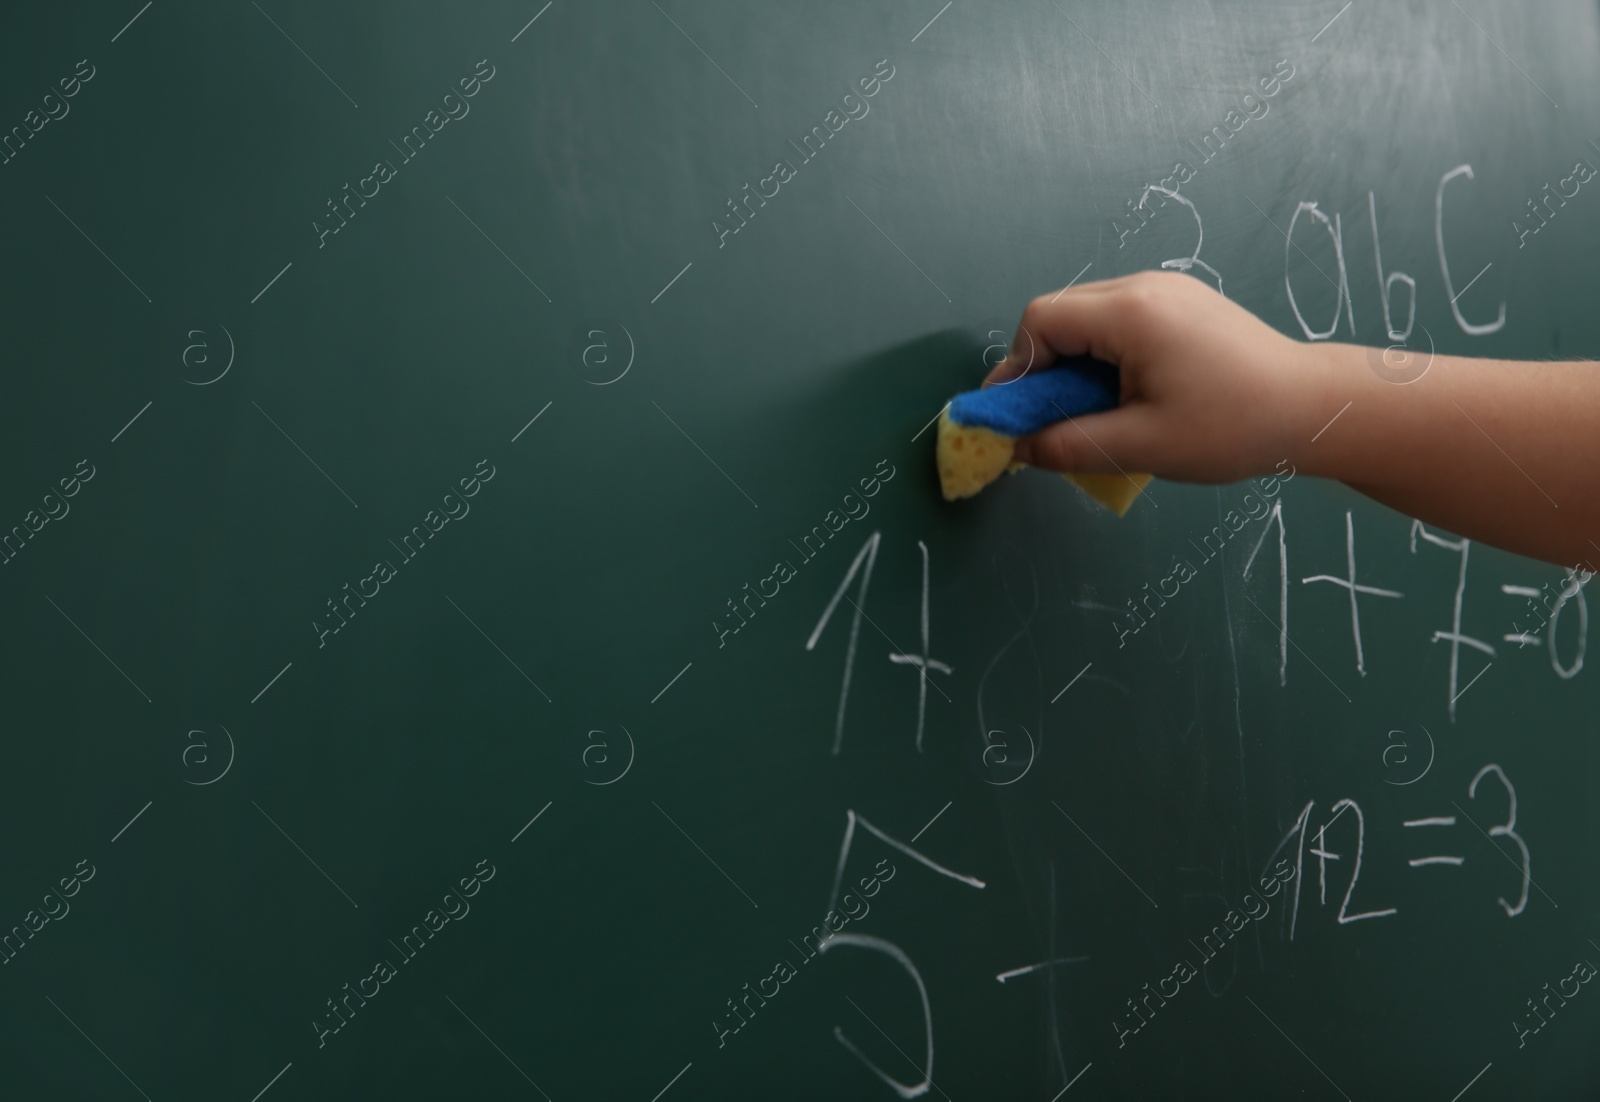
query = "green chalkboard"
{"x": 481, "y": 621}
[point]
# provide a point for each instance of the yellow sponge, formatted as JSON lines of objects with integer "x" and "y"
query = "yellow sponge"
{"x": 1115, "y": 491}
{"x": 971, "y": 456}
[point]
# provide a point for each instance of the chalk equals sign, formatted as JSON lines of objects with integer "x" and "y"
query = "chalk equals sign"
{"x": 1433, "y": 821}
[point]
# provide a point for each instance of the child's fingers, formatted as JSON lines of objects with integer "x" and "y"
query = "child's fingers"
{"x": 1028, "y": 353}
{"x": 1007, "y": 370}
{"x": 1068, "y": 322}
{"x": 1117, "y": 440}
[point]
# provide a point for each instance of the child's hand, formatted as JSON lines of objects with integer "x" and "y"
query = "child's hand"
{"x": 1494, "y": 450}
{"x": 1209, "y": 392}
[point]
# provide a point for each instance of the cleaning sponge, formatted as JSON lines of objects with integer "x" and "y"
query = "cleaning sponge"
{"x": 978, "y": 429}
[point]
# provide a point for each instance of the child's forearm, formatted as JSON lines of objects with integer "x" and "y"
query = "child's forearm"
{"x": 1503, "y": 452}
{"x": 1499, "y": 451}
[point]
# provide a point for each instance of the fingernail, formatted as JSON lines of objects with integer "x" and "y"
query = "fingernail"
{"x": 996, "y": 372}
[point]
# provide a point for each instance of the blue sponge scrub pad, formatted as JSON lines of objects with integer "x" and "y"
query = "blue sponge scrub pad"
{"x": 979, "y": 429}
{"x": 1022, "y": 407}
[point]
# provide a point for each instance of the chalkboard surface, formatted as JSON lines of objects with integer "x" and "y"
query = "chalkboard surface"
{"x": 481, "y": 622}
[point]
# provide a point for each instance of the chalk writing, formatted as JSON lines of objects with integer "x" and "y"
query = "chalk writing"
{"x": 1454, "y": 860}
{"x": 1386, "y": 282}
{"x": 1184, "y": 264}
{"x": 751, "y": 601}
{"x": 1479, "y": 330}
{"x": 812, "y": 944}
{"x": 890, "y": 950}
{"x": 1210, "y": 547}
{"x": 922, "y": 663}
{"x": 1507, "y": 830}
{"x": 1252, "y": 107}
{"x": 1276, "y": 518}
{"x": 1336, "y": 235}
{"x": 1355, "y": 870}
{"x": 1572, "y": 587}
{"x": 869, "y": 555}
{"x": 1349, "y": 583}
{"x": 1300, "y": 832}
{"x": 1340, "y": 279}
{"x": 1456, "y": 639}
